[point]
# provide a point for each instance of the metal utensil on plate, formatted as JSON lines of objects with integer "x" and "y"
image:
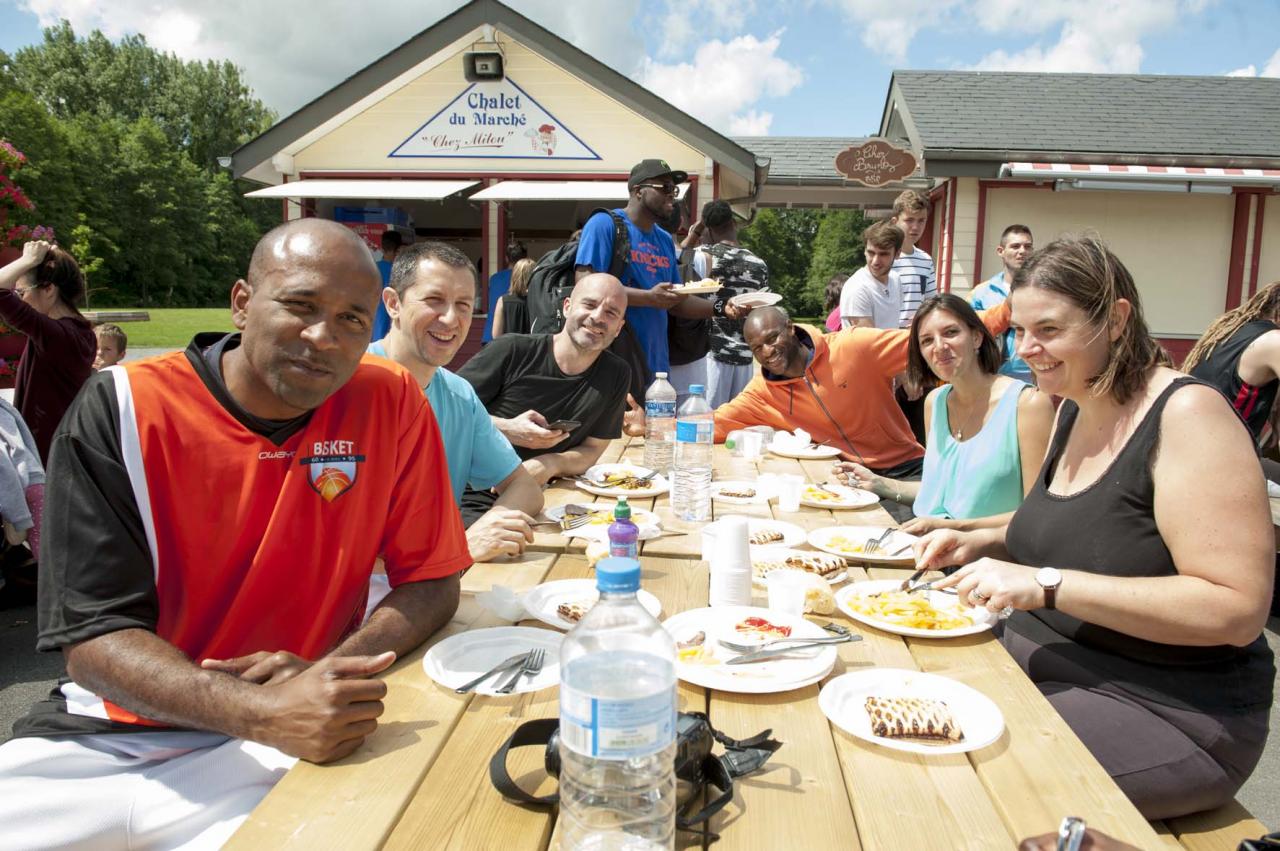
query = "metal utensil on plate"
{"x": 567, "y": 522}
{"x": 506, "y": 664}
{"x": 770, "y": 645}
{"x": 532, "y": 665}
{"x": 873, "y": 545}
{"x": 762, "y": 655}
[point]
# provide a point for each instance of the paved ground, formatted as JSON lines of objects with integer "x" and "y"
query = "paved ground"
{"x": 26, "y": 676}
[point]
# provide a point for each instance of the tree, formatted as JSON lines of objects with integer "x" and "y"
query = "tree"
{"x": 783, "y": 239}
{"x": 837, "y": 249}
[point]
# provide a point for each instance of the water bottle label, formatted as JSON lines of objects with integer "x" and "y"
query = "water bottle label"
{"x": 659, "y": 409}
{"x": 616, "y": 729}
{"x": 694, "y": 431}
{"x": 629, "y": 550}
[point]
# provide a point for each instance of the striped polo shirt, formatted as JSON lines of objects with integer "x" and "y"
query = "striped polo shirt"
{"x": 915, "y": 271}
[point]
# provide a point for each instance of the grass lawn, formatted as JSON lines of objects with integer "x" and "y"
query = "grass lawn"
{"x": 174, "y": 327}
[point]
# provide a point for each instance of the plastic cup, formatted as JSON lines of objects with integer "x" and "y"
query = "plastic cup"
{"x": 789, "y": 490}
{"x": 787, "y": 590}
{"x": 752, "y": 444}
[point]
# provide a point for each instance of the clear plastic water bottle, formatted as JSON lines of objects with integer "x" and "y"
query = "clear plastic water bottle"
{"x": 624, "y": 534}
{"x": 659, "y": 424}
{"x": 691, "y": 475}
{"x": 617, "y": 722}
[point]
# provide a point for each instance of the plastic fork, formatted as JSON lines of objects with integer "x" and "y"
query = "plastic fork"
{"x": 532, "y": 666}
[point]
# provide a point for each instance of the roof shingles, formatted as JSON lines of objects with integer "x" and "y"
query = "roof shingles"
{"x": 1094, "y": 113}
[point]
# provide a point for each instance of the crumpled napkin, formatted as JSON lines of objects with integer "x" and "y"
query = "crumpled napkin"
{"x": 799, "y": 439}
{"x": 503, "y": 602}
{"x": 1273, "y": 489}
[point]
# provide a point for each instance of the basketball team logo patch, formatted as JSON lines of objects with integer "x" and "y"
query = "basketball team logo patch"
{"x": 332, "y": 467}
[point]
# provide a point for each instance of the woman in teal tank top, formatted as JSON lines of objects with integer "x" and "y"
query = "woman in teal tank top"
{"x": 985, "y": 434}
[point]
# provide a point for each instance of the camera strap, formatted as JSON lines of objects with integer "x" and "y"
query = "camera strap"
{"x": 741, "y": 756}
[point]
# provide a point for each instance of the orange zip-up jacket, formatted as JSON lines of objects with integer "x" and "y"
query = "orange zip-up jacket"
{"x": 850, "y": 375}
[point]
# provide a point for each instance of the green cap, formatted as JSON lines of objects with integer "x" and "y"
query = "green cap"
{"x": 622, "y": 511}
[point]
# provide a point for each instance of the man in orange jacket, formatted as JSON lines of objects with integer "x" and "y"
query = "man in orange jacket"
{"x": 838, "y": 387}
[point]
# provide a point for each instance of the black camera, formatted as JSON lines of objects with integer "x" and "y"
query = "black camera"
{"x": 695, "y": 764}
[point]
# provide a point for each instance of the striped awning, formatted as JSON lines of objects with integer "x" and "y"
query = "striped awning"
{"x": 1147, "y": 173}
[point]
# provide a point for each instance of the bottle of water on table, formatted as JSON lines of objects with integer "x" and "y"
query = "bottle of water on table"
{"x": 617, "y": 722}
{"x": 659, "y": 424}
{"x": 691, "y": 479}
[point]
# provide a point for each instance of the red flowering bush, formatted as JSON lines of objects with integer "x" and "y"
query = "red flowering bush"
{"x": 13, "y": 198}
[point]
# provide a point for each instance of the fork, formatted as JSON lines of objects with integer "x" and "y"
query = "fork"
{"x": 873, "y": 545}
{"x": 532, "y": 666}
{"x": 567, "y": 522}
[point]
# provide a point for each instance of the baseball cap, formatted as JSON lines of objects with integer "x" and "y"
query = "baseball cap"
{"x": 646, "y": 170}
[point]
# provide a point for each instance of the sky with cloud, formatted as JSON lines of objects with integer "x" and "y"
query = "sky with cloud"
{"x": 780, "y": 67}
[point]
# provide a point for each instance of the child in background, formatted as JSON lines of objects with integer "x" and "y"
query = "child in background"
{"x": 111, "y": 345}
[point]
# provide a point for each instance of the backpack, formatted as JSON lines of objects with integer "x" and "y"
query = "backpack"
{"x": 553, "y": 278}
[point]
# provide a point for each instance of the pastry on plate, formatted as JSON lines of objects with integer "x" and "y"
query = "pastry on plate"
{"x": 913, "y": 718}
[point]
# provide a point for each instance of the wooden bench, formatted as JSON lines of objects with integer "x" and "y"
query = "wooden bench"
{"x": 1216, "y": 830}
{"x": 99, "y": 317}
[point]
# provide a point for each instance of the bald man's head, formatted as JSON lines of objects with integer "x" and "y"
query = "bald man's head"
{"x": 306, "y": 312}
{"x": 594, "y": 312}
{"x": 771, "y": 335}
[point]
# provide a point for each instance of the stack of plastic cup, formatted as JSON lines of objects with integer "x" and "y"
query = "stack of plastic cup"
{"x": 731, "y": 564}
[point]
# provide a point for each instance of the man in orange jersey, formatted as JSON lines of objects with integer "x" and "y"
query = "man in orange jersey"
{"x": 213, "y": 516}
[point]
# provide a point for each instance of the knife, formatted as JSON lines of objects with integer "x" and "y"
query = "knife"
{"x": 770, "y": 653}
{"x": 517, "y": 659}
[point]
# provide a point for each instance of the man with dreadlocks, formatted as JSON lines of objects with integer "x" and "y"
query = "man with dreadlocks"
{"x": 1240, "y": 355}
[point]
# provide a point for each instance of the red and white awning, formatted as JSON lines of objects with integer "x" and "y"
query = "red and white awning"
{"x": 1143, "y": 173}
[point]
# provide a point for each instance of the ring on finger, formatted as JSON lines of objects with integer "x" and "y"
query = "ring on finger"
{"x": 981, "y": 598}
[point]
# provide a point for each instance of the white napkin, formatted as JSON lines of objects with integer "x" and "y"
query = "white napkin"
{"x": 1273, "y": 489}
{"x": 799, "y": 439}
{"x": 503, "y": 602}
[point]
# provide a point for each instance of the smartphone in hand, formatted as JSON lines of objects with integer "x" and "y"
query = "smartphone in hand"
{"x": 563, "y": 425}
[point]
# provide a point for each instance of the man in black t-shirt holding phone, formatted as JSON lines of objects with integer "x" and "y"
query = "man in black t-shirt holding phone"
{"x": 558, "y": 398}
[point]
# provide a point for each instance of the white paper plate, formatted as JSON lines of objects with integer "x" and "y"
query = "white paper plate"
{"x": 542, "y": 600}
{"x": 697, "y": 288}
{"x": 754, "y": 300}
{"x": 461, "y": 658}
{"x": 792, "y": 535}
{"x": 824, "y": 539}
{"x": 809, "y": 452}
{"x": 650, "y": 524}
{"x": 800, "y": 669}
{"x": 843, "y": 701}
{"x": 659, "y": 485}
{"x": 763, "y": 494}
{"x": 982, "y": 618}
{"x": 781, "y": 553}
{"x": 846, "y": 497}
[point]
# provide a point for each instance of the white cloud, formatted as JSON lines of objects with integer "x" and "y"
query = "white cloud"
{"x": 688, "y": 21}
{"x": 724, "y": 81}
{"x": 888, "y": 28}
{"x": 1095, "y": 35}
{"x": 295, "y": 50}
{"x": 1271, "y": 69}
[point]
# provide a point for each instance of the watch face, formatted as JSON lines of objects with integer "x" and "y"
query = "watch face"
{"x": 1049, "y": 577}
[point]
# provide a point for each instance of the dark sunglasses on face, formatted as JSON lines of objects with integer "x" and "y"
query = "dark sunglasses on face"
{"x": 664, "y": 188}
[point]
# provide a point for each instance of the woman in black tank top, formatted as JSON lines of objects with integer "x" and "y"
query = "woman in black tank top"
{"x": 1138, "y": 571}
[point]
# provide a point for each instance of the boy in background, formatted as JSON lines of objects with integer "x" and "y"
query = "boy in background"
{"x": 111, "y": 345}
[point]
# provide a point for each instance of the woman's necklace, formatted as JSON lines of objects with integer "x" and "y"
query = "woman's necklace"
{"x": 960, "y": 420}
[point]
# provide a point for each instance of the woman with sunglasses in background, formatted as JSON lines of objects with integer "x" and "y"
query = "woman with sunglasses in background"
{"x": 38, "y": 296}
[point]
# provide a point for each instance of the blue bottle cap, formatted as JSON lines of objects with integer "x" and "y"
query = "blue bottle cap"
{"x": 697, "y": 389}
{"x": 617, "y": 575}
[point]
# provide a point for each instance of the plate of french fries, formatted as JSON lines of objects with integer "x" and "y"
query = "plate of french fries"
{"x": 921, "y": 614}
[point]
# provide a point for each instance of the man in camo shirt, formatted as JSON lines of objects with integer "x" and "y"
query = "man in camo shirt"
{"x": 740, "y": 271}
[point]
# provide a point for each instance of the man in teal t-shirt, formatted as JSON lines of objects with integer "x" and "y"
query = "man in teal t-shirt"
{"x": 430, "y": 302}
{"x": 1015, "y": 247}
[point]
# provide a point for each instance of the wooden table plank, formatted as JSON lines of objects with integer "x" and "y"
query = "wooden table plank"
{"x": 355, "y": 802}
{"x": 1217, "y": 830}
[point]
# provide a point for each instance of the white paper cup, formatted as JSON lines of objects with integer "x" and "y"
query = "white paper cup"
{"x": 787, "y": 590}
{"x": 789, "y": 489}
{"x": 752, "y": 444}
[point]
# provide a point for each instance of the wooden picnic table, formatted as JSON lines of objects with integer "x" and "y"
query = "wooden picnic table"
{"x": 421, "y": 780}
